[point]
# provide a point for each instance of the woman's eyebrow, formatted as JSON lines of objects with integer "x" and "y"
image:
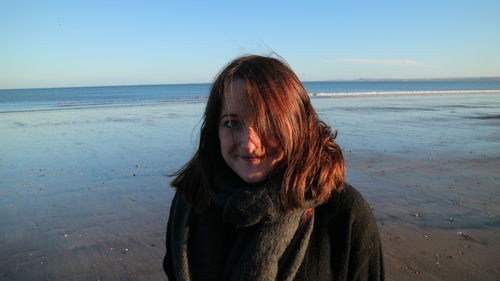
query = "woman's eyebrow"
{"x": 229, "y": 115}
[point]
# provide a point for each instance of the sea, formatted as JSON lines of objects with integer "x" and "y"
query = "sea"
{"x": 18, "y": 100}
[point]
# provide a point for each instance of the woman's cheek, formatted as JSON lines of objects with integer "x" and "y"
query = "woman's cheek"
{"x": 226, "y": 141}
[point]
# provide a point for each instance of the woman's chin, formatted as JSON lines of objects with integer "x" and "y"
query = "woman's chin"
{"x": 251, "y": 178}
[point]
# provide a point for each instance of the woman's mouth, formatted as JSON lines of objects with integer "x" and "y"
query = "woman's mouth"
{"x": 252, "y": 159}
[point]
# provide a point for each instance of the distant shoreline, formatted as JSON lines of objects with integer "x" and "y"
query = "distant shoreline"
{"x": 450, "y": 79}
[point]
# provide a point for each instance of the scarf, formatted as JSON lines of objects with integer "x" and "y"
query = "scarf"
{"x": 243, "y": 237}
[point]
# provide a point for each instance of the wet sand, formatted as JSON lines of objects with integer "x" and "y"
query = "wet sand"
{"x": 430, "y": 168}
{"x": 83, "y": 194}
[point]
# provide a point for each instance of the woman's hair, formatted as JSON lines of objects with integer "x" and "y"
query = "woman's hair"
{"x": 312, "y": 163}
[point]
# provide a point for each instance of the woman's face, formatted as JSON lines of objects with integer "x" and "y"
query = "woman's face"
{"x": 241, "y": 147}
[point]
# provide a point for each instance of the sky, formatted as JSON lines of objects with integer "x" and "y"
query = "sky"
{"x": 96, "y": 43}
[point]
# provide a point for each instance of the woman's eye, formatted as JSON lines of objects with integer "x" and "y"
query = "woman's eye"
{"x": 231, "y": 123}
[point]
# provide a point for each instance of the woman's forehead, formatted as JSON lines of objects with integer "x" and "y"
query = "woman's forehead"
{"x": 235, "y": 89}
{"x": 235, "y": 98}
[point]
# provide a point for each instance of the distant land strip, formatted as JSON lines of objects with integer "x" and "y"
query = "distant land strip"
{"x": 439, "y": 79}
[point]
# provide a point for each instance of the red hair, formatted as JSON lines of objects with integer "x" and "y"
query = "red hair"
{"x": 313, "y": 165}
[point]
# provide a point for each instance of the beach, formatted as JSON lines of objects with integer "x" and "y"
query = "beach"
{"x": 84, "y": 193}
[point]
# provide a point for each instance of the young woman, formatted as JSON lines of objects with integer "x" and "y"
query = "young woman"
{"x": 264, "y": 196}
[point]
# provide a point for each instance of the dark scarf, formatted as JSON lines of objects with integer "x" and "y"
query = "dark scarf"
{"x": 243, "y": 237}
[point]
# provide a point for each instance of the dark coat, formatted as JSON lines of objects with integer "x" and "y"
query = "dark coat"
{"x": 344, "y": 245}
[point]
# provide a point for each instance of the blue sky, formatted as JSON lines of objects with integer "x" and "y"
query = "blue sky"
{"x": 86, "y": 43}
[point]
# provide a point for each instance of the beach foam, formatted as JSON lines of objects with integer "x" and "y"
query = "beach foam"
{"x": 407, "y": 93}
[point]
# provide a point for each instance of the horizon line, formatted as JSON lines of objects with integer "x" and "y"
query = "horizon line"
{"x": 441, "y": 79}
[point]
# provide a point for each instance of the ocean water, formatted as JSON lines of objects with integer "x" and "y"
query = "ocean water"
{"x": 89, "y": 97}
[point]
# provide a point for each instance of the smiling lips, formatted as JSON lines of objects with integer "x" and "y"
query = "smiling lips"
{"x": 252, "y": 159}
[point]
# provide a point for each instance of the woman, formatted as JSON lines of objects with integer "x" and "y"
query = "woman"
{"x": 264, "y": 196}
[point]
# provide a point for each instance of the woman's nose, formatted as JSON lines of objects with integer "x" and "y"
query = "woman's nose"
{"x": 250, "y": 140}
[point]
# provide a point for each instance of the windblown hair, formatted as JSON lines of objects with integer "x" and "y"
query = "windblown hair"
{"x": 312, "y": 164}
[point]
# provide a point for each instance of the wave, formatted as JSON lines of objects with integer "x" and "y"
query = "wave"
{"x": 406, "y": 93}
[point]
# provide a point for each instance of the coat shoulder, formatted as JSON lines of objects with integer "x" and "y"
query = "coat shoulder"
{"x": 347, "y": 203}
